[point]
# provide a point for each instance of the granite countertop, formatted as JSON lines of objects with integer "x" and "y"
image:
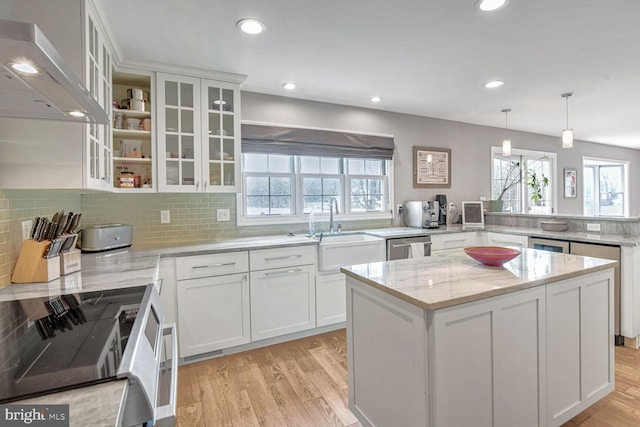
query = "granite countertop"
{"x": 451, "y": 277}
{"x": 102, "y": 409}
{"x": 605, "y": 239}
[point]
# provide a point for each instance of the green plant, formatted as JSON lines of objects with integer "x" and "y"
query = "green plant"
{"x": 516, "y": 174}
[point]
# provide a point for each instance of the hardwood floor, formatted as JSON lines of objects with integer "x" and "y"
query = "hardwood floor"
{"x": 304, "y": 383}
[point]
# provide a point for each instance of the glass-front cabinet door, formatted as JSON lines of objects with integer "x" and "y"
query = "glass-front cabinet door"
{"x": 98, "y": 79}
{"x": 221, "y": 136}
{"x": 179, "y": 147}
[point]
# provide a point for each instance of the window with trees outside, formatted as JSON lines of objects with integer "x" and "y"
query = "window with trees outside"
{"x": 606, "y": 187}
{"x": 510, "y": 176}
{"x": 283, "y": 188}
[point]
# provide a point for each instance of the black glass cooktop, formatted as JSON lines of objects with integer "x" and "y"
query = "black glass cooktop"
{"x": 66, "y": 342}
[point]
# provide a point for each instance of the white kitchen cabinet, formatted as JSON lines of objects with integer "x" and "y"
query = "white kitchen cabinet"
{"x": 453, "y": 240}
{"x": 331, "y": 305}
{"x": 98, "y": 60}
{"x": 198, "y": 134}
{"x": 283, "y": 301}
{"x": 283, "y": 296}
{"x": 47, "y": 154}
{"x": 134, "y": 150}
{"x": 579, "y": 327}
{"x": 503, "y": 239}
{"x": 489, "y": 358}
{"x": 213, "y": 302}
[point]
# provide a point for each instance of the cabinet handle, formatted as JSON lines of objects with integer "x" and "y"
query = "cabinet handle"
{"x": 282, "y": 273}
{"x": 283, "y": 257}
{"x": 197, "y": 185}
{"x": 214, "y": 265}
{"x": 404, "y": 245}
{"x": 205, "y": 185}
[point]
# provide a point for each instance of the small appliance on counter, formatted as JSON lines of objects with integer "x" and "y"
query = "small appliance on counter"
{"x": 98, "y": 238}
{"x": 419, "y": 214}
{"x": 442, "y": 201}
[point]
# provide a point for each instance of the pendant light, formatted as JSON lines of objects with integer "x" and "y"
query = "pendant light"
{"x": 567, "y": 133}
{"x": 506, "y": 144}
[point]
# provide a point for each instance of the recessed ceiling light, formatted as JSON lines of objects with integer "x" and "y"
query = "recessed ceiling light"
{"x": 491, "y": 5}
{"x": 289, "y": 86}
{"x": 24, "y": 67}
{"x": 251, "y": 26}
{"x": 76, "y": 113}
{"x": 493, "y": 84}
{"x": 376, "y": 99}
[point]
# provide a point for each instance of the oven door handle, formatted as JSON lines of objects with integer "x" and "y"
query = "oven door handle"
{"x": 166, "y": 414}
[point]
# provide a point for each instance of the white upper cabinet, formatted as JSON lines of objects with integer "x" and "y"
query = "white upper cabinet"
{"x": 198, "y": 134}
{"x": 62, "y": 155}
{"x": 99, "y": 144}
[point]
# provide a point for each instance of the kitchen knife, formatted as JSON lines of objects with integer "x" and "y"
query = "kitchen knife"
{"x": 34, "y": 227}
{"x": 43, "y": 229}
{"x": 75, "y": 223}
{"x": 67, "y": 226}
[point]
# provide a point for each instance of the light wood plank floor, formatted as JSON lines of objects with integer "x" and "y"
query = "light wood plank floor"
{"x": 304, "y": 383}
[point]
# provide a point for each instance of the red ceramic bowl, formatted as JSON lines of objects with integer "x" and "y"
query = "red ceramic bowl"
{"x": 493, "y": 256}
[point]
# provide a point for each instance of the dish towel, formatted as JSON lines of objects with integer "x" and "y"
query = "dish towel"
{"x": 416, "y": 250}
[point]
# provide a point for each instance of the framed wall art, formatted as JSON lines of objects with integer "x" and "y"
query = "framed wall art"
{"x": 570, "y": 183}
{"x": 431, "y": 167}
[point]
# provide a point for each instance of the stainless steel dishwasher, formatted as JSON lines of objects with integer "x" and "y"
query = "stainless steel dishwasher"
{"x": 606, "y": 252}
{"x": 408, "y": 247}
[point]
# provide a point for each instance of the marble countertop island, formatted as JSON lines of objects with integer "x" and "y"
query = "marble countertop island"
{"x": 451, "y": 277}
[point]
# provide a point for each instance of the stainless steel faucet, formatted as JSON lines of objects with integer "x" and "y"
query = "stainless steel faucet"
{"x": 331, "y": 202}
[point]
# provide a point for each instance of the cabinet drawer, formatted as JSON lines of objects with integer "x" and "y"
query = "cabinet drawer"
{"x": 193, "y": 267}
{"x": 501, "y": 239}
{"x": 282, "y": 257}
{"x": 453, "y": 240}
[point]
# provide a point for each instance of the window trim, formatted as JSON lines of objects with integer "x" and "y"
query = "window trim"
{"x": 243, "y": 220}
{"x": 627, "y": 205}
{"x": 553, "y": 179}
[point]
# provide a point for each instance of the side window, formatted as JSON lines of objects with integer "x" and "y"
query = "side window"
{"x": 606, "y": 187}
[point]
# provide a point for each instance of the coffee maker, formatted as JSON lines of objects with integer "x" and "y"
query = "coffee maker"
{"x": 442, "y": 202}
{"x": 431, "y": 215}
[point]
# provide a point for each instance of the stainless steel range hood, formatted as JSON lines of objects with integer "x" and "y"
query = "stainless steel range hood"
{"x": 51, "y": 93}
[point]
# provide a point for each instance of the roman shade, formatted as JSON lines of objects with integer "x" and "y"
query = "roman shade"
{"x": 314, "y": 142}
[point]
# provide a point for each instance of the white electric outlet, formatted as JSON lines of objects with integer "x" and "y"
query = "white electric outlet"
{"x": 165, "y": 217}
{"x": 593, "y": 227}
{"x": 222, "y": 214}
{"x": 26, "y": 229}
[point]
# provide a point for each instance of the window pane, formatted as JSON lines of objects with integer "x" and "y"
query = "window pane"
{"x": 358, "y": 203}
{"x": 331, "y": 186}
{"x": 281, "y": 205}
{"x": 356, "y": 166}
{"x": 255, "y": 162}
{"x": 312, "y": 204}
{"x": 312, "y": 186}
{"x": 309, "y": 164}
{"x": 326, "y": 203}
{"x": 281, "y": 164}
{"x": 257, "y": 186}
{"x": 257, "y": 205}
{"x": 374, "y": 167}
{"x": 611, "y": 188}
{"x": 330, "y": 165}
{"x": 281, "y": 186}
{"x": 375, "y": 186}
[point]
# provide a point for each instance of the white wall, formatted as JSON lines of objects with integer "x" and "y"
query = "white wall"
{"x": 470, "y": 145}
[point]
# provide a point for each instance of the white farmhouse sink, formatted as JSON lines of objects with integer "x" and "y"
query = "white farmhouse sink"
{"x": 337, "y": 250}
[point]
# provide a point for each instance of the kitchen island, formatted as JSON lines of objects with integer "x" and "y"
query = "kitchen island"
{"x": 447, "y": 341}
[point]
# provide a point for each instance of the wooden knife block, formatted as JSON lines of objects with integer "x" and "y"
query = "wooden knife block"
{"x": 70, "y": 261}
{"x": 32, "y": 267}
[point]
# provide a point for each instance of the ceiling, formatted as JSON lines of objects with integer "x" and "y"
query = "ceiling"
{"x": 428, "y": 57}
